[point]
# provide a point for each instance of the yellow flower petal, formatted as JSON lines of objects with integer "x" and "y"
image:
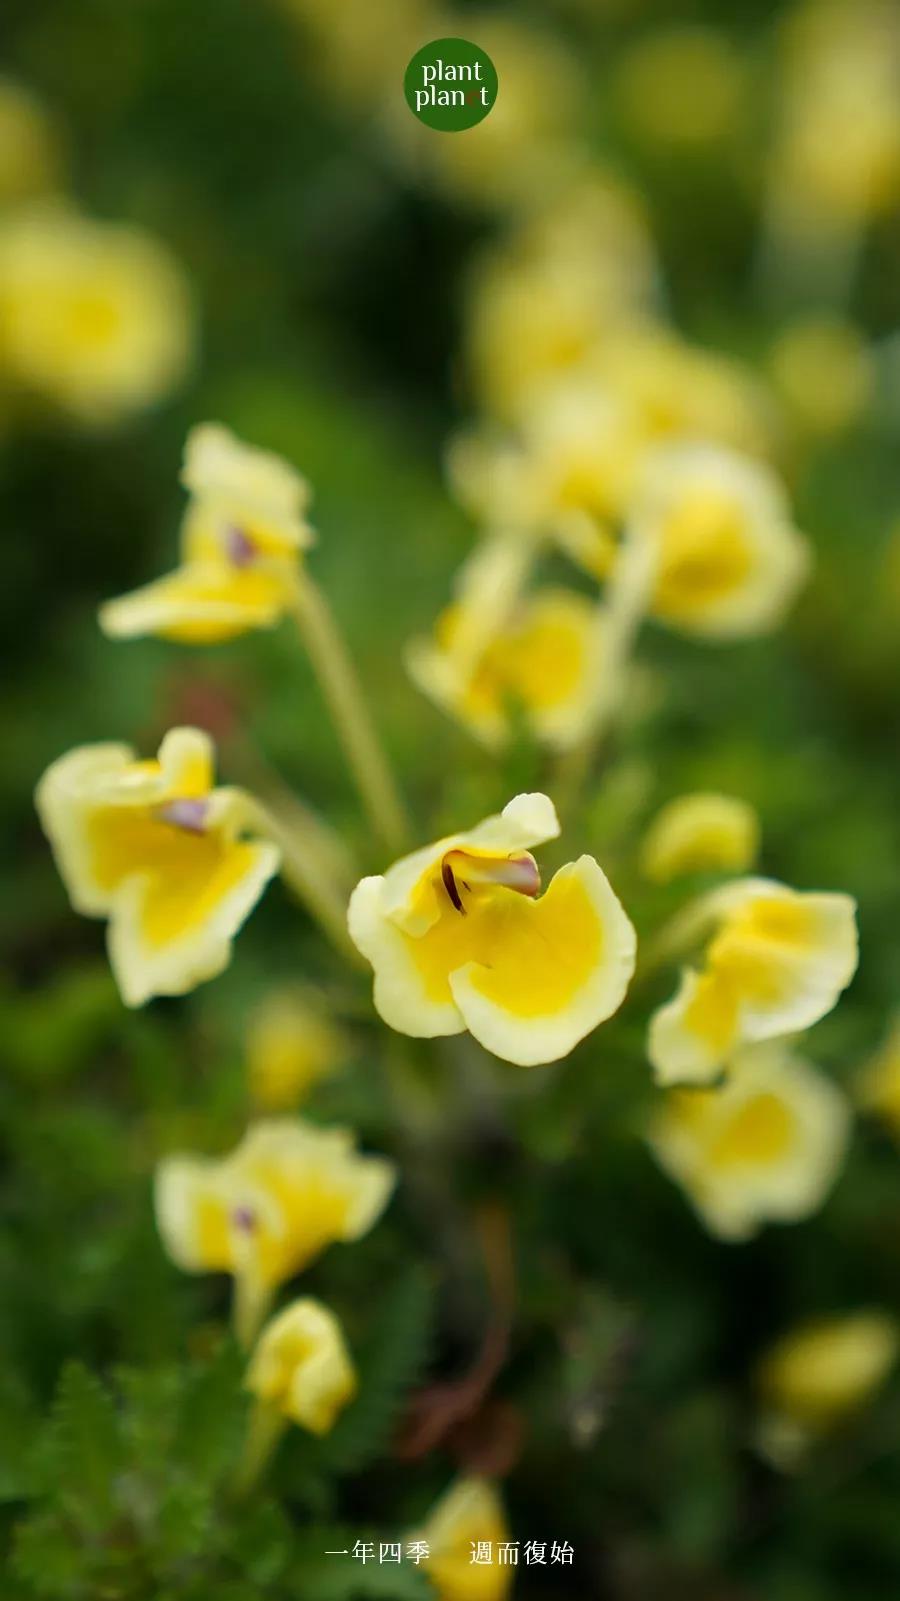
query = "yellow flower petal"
{"x": 292, "y": 1042}
{"x": 152, "y": 847}
{"x": 544, "y": 661}
{"x": 878, "y": 1086}
{"x": 241, "y": 536}
{"x": 700, "y": 833}
{"x": 777, "y": 965}
{"x": 825, "y": 373}
{"x": 95, "y": 316}
{"x": 264, "y": 1212}
{"x": 220, "y": 466}
{"x": 764, "y": 1147}
{"x": 302, "y": 1367}
{"x": 542, "y": 974}
{"x": 458, "y": 940}
{"x": 172, "y": 928}
{"x": 822, "y": 1371}
{"x": 201, "y": 604}
{"x": 692, "y": 1035}
{"x": 471, "y": 1512}
{"x": 729, "y": 561}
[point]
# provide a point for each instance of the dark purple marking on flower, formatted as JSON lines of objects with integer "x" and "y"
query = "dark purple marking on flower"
{"x": 239, "y": 547}
{"x": 189, "y": 814}
{"x": 244, "y": 1218}
{"x": 449, "y": 877}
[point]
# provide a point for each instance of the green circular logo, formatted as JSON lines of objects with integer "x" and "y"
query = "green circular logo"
{"x": 450, "y": 85}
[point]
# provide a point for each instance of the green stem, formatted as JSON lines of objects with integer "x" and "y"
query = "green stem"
{"x": 340, "y": 686}
{"x": 303, "y": 868}
{"x": 678, "y": 936}
{"x": 619, "y": 620}
{"x": 267, "y": 1425}
{"x": 249, "y": 1309}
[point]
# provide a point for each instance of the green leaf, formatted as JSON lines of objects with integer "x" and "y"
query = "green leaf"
{"x": 389, "y": 1364}
{"x": 80, "y": 1451}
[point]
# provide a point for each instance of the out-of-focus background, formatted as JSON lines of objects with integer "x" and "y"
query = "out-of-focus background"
{"x": 314, "y": 269}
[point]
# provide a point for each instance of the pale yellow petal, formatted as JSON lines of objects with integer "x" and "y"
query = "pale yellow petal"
{"x": 470, "y": 1512}
{"x": 200, "y": 604}
{"x": 764, "y": 1147}
{"x": 546, "y": 972}
{"x": 700, "y": 833}
{"x": 302, "y": 1367}
{"x": 169, "y": 932}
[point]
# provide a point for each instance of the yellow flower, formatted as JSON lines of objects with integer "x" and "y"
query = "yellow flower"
{"x": 817, "y": 1375}
{"x": 566, "y": 475}
{"x": 684, "y": 391}
{"x": 764, "y": 1148}
{"x": 356, "y": 48}
{"x": 94, "y": 316}
{"x": 265, "y": 1212}
{"x": 729, "y": 562}
{"x": 292, "y": 1043}
{"x": 302, "y": 1368}
{"x": 470, "y": 1513}
{"x": 29, "y": 156}
{"x": 241, "y": 535}
{"x": 544, "y": 662}
{"x": 700, "y": 833}
{"x": 157, "y": 850}
{"x": 460, "y": 938}
{"x": 838, "y": 154}
{"x": 777, "y": 962}
{"x": 878, "y": 1087}
{"x": 542, "y": 302}
{"x": 682, "y": 86}
{"x": 824, "y": 373}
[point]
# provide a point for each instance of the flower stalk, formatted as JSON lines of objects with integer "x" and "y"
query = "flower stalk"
{"x": 342, "y": 690}
{"x": 266, "y": 1426}
{"x": 305, "y": 870}
{"x": 618, "y": 622}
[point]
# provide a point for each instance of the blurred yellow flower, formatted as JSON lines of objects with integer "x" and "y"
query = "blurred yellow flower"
{"x": 460, "y": 938}
{"x": 469, "y": 1514}
{"x": 776, "y": 964}
{"x": 819, "y": 1374}
{"x": 264, "y": 1212}
{"x": 292, "y": 1043}
{"x": 878, "y": 1085}
{"x": 29, "y": 151}
{"x": 682, "y": 86}
{"x": 565, "y": 475}
{"x": 542, "y": 301}
{"x": 700, "y": 833}
{"x": 542, "y": 663}
{"x": 301, "y": 1366}
{"x": 94, "y": 316}
{"x": 242, "y": 531}
{"x": 684, "y": 391}
{"x": 838, "y": 152}
{"x": 357, "y": 47}
{"x": 824, "y": 372}
{"x": 765, "y": 1147}
{"x": 157, "y": 850}
{"x": 728, "y": 560}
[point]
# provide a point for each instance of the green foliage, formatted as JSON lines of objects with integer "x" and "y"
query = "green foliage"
{"x": 390, "y": 1362}
{"x": 129, "y": 1487}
